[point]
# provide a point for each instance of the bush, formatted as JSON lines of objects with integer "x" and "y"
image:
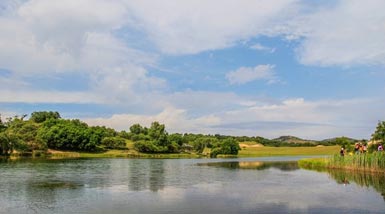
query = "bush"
{"x": 114, "y": 143}
{"x": 146, "y": 147}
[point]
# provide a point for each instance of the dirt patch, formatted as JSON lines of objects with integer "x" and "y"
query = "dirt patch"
{"x": 243, "y": 145}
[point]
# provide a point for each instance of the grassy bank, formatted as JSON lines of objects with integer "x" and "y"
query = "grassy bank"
{"x": 260, "y": 151}
{"x": 116, "y": 154}
{"x": 287, "y": 151}
{"x": 374, "y": 162}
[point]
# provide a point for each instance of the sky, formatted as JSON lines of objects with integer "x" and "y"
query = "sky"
{"x": 312, "y": 69}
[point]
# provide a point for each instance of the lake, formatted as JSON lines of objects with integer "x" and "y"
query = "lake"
{"x": 244, "y": 185}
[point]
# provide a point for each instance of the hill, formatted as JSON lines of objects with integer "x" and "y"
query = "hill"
{"x": 294, "y": 140}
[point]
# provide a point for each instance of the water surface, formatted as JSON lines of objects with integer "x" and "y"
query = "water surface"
{"x": 246, "y": 185}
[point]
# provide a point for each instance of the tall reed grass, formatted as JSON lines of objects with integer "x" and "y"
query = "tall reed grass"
{"x": 367, "y": 161}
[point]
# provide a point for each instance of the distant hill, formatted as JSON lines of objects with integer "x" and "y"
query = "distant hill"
{"x": 332, "y": 140}
{"x": 294, "y": 140}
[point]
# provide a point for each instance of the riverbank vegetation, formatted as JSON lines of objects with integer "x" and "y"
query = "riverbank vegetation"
{"x": 373, "y": 162}
{"x": 46, "y": 133}
{"x": 372, "y": 159}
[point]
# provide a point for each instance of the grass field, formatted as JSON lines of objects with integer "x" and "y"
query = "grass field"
{"x": 251, "y": 151}
{"x": 287, "y": 151}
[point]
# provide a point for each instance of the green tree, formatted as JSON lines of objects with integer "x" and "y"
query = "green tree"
{"x": 41, "y": 116}
{"x": 136, "y": 129}
{"x": 379, "y": 133}
{"x": 228, "y": 146}
{"x": 345, "y": 143}
{"x": 68, "y": 135}
{"x": 114, "y": 143}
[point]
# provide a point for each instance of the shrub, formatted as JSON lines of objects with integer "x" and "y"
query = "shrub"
{"x": 114, "y": 143}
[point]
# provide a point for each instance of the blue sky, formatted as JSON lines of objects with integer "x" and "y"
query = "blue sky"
{"x": 268, "y": 68}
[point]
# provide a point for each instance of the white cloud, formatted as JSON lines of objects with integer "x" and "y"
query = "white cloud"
{"x": 43, "y": 38}
{"x": 175, "y": 119}
{"x": 307, "y": 119}
{"x": 349, "y": 33}
{"x": 188, "y": 27}
{"x": 261, "y": 47}
{"x": 39, "y": 96}
{"x": 248, "y": 74}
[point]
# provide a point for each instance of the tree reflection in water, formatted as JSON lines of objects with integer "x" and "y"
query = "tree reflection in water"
{"x": 363, "y": 179}
{"x": 146, "y": 174}
{"x": 258, "y": 165}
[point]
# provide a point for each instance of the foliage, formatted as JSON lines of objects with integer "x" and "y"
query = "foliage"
{"x": 227, "y": 146}
{"x": 114, "y": 143}
{"x": 41, "y": 116}
{"x": 200, "y": 143}
{"x": 154, "y": 139}
{"x": 345, "y": 143}
{"x": 6, "y": 143}
{"x": 379, "y": 133}
{"x": 369, "y": 161}
{"x": 68, "y": 135}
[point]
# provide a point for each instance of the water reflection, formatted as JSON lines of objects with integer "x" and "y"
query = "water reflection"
{"x": 182, "y": 186}
{"x": 256, "y": 165}
{"x": 363, "y": 179}
{"x": 146, "y": 174}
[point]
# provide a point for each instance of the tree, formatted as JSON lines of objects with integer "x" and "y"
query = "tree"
{"x": 379, "y": 134}
{"x": 114, "y": 143}
{"x": 136, "y": 129}
{"x": 41, "y": 116}
{"x": 228, "y": 146}
{"x": 68, "y": 135}
{"x": 345, "y": 143}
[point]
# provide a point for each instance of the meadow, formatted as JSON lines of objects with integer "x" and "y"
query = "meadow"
{"x": 287, "y": 151}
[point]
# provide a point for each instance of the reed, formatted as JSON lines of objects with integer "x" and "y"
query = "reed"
{"x": 367, "y": 162}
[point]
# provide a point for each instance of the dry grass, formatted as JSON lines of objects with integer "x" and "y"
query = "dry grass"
{"x": 287, "y": 151}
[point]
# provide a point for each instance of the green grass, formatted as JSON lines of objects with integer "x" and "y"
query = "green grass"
{"x": 367, "y": 162}
{"x": 318, "y": 164}
{"x": 374, "y": 162}
{"x": 287, "y": 151}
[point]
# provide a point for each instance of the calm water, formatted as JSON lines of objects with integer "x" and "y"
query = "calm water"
{"x": 253, "y": 185}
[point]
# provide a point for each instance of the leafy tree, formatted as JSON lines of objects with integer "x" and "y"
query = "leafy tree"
{"x": 2, "y": 125}
{"x": 379, "y": 133}
{"x": 6, "y": 143}
{"x": 228, "y": 146}
{"x": 200, "y": 143}
{"x": 177, "y": 139}
{"x": 41, "y": 116}
{"x": 114, "y": 143}
{"x": 68, "y": 135}
{"x": 345, "y": 143}
{"x": 158, "y": 134}
{"x": 136, "y": 129}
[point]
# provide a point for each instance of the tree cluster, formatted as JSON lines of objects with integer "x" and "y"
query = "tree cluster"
{"x": 46, "y": 130}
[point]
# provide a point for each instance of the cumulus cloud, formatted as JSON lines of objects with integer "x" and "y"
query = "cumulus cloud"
{"x": 177, "y": 120}
{"x": 329, "y": 118}
{"x": 189, "y": 27}
{"x": 44, "y": 37}
{"x": 248, "y": 74}
{"x": 348, "y": 33}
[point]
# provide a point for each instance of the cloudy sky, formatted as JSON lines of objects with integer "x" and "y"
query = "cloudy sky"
{"x": 314, "y": 69}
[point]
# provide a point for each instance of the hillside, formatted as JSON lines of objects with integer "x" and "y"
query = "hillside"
{"x": 294, "y": 140}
